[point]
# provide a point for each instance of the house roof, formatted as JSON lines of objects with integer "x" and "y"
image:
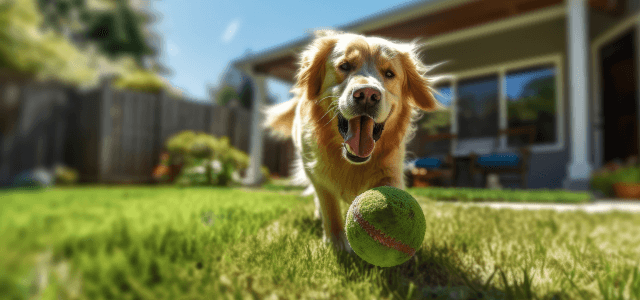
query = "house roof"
{"x": 424, "y": 19}
{"x": 283, "y": 54}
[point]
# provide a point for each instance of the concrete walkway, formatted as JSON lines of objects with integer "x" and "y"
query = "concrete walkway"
{"x": 598, "y": 206}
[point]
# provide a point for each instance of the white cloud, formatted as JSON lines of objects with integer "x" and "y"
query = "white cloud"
{"x": 231, "y": 31}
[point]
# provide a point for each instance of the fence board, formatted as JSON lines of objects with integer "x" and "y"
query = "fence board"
{"x": 37, "y": 139}
{"x": 220, "y": 121}
{"x": 116, "y": 136}
{"x": 241, "y": 129}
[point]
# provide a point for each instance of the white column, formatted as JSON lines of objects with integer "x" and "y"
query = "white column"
{"x": 254, "y": 176}
{"x": 579, "y": 168}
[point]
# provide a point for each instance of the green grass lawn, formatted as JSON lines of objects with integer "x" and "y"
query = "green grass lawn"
{"x": 217, "y": 243}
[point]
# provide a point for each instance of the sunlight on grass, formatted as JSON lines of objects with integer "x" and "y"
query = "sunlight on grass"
{"x": 219, "y": 243}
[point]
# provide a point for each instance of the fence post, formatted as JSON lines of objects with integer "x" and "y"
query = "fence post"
{"x": 158, "y": 127}
{"x": 62, "y": 108}
{"x": 105, "y": 129}
{"x": 10, "y": 107}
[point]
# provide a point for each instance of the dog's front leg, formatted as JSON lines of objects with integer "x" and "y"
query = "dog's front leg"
{"x": 317, "y": 214}
{"x": 332, "y": 223}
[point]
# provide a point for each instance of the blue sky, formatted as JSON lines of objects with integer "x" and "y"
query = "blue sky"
{"x": 199, "y": 38}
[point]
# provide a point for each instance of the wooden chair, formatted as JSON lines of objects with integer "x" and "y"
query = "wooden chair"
{"x": 435, "y": 166}
{"x": 506, "y": 162}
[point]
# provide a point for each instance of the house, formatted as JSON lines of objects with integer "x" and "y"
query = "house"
{"x": 569, "y": 67}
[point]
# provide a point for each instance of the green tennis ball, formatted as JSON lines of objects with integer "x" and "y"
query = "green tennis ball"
{"x": 385, "y": 226}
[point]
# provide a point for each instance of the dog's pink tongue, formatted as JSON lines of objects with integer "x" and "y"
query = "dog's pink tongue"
{"x": 360, "y": 136}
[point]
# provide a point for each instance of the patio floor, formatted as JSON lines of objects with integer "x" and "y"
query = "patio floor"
{"x": 598, "y": 206}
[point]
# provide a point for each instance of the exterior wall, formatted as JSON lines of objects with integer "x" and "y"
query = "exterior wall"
{"x": 538, "y": 40}
{"x": 548, "y": 168}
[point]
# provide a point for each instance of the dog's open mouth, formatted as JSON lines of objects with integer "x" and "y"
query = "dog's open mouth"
{"x": 360, "y": 135}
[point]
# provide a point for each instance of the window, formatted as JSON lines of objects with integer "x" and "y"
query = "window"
{"x": 478, "y": 107}
{"x": 531, "y": 100}
{"x": 511, "y": 95}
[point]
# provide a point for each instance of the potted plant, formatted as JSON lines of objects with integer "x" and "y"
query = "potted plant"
{"x": 626, "y": 182}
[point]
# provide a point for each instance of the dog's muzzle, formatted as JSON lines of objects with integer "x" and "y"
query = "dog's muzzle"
{"x": 360, "y": 135}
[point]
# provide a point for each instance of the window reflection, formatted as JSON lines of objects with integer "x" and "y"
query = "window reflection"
{"x": 478, "y": 107}
{"x": 531, "y": 100}
{"x": 437, "y": 122}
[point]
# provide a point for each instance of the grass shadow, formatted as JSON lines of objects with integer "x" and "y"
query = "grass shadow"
{"x": 438, "y": 273}
{"x": 427, "y": 275}
{"x": 309, "y": 224}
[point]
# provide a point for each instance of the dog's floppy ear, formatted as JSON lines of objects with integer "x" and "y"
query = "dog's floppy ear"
{"x": 313, "y": 61}
{"x": 416, "y": 84}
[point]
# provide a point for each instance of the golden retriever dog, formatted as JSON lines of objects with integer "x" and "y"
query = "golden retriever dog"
{"x": 354, "y": 104}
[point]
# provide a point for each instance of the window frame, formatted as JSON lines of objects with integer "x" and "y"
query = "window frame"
{"x": 556, "y": 60}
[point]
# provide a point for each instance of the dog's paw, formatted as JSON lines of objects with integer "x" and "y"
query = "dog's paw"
{"x": 339, "y": 242}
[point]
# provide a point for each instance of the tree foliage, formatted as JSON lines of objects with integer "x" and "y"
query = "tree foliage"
{"x": 538, "y": 97}
{"x": 436, "y": 122}
{"x": 115, "y": 26}
{"x": 29, "y": 47}
{"x": 225, "y": 95}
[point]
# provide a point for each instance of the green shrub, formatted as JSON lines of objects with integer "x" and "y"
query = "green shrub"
{"x": 179, "y": 143}
{"x": 207, "y": 160}
{"x": 265, "y": 174}
{"x": 65, "y": 176}
{"x": 140, "y": 80}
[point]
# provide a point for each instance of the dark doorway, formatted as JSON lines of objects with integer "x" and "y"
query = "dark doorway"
{"x": 619, "y": 104}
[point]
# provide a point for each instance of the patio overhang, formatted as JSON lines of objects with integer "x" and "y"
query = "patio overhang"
{"x": 425, "y": 20}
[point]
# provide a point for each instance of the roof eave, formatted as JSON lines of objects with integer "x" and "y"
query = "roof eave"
{"x": 365, "y": 24}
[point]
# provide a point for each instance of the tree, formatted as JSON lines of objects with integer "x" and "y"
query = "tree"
{"x": 116, "y": 27}
{"x": 538, "y": 97}
{"x": 436, "y": 122}
{"x": 226, "y": 94}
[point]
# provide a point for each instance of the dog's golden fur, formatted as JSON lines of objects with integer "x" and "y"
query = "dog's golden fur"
{"x": 322, "y": 91}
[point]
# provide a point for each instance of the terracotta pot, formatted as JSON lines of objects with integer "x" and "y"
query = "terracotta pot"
{"x": 627, "y": 190}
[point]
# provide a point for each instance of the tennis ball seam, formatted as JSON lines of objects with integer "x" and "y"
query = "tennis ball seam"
{"x": 379, "y": 236}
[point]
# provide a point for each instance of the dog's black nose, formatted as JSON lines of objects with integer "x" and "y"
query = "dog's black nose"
{"x": 367, "y": 96}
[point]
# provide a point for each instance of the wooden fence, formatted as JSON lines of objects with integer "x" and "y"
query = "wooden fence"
{"x": 111, "y": 135}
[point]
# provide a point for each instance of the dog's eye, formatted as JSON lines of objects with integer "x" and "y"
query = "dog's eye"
{"x": 389, "y": 74}
{"x": 345, "y": 67}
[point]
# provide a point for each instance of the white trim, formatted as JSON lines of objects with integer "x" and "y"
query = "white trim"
{"x": 616, "y": 30}
{"x": 501, "y": 70}
{"x": 538, "y": 16}
{"x": 596, "y": 120}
